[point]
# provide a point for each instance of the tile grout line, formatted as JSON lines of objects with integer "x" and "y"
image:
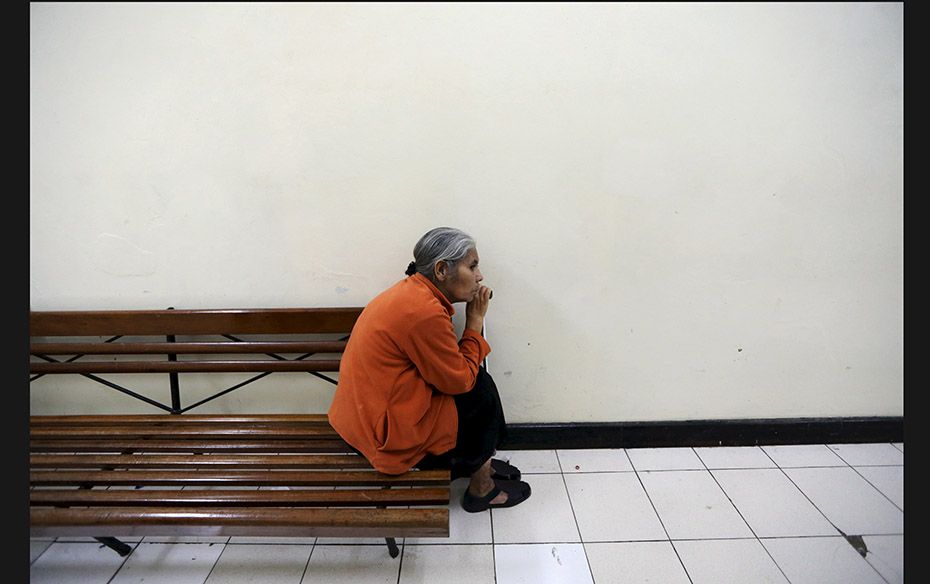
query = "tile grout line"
{"x": 123, "y": 563}
{"x": 882, "y": 493}
{"x": 400, "y": 559}
{"x": 216, "y": 561}
{"x": 493, "y": 546}
{"x": 50, "y": 544}
{"x": 740, "y": 513}
{"x": 851, "y": 465}
{"x": 670, "y": 541}
{"x": 303, "y": 574}
{"x": 659, "y": 517}
{"x": 568, "y": 494}
{"x": 800, "y": 490}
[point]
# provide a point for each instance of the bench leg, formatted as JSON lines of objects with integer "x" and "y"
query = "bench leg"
{"x": 392, "y": 547}
{"x": 115, "y": 544}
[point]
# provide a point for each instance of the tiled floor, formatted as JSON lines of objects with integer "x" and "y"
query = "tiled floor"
{"x": 815, "y": 514}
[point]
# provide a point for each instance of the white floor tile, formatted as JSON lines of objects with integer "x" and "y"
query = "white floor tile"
{"x": 448, "y": 564}
{"x": 351, "y": 564}
{"x": 75, "y": 563}
{"x": 798, "y": 455}
{"x": 721, "y": 457}
{"x": 887, "y": 479}
{"x": 531, "y": 461}
{"x": 848, "y": 501}
{"x": 563, "y": 563}
{"x": 868, "y": 454}
{"x": 728, "y": 560}
{"x": 612, "y": 507}
{"x": 647, "y": 562}
{"x": 463, "y": 527}
{"x": 545, "y": 517}
{"x": 753, "y": 493}
{"x": 36, "y": 547}
{"x": 692, "y": 506}
{"x": 595, "y": 460}
{"x": 268, "y": 564}
{"x": 821, "y": 560}
{"x": 664, "y": 459}
{"x": 886, "y": 555}
{"x": 164, "y": 563}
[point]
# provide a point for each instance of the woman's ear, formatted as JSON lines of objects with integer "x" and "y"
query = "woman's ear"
{"x": 441, "y": 270}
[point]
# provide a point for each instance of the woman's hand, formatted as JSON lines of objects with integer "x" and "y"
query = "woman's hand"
{"x": 477, "y": 308}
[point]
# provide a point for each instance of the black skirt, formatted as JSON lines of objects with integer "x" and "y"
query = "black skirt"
{"x": 481, "y": 429}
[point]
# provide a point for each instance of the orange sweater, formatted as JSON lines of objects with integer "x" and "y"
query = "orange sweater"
{"x": 400, "y": 369}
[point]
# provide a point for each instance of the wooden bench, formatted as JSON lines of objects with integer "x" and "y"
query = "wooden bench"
{"x": 174, "y": 473}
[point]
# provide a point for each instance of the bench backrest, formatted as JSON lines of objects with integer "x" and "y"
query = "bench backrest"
{"x": 190, "y": 341}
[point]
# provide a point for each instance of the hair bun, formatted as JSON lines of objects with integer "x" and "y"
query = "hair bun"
{"x": 411, "y": 268}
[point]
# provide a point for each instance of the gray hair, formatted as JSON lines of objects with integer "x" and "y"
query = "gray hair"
{"x": 440, "y": 244}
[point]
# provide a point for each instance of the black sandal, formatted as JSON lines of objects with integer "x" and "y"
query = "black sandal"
{"x": 517, "y": 492}
{"x": 503, "y": 470}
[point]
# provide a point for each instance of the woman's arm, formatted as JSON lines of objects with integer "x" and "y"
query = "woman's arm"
{"x": 446, "y": 363}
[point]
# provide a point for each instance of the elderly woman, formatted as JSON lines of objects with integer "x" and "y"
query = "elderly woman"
{"x": 411, "y": 394}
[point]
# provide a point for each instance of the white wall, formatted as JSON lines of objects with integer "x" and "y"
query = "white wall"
{"x": 686, "y": 211}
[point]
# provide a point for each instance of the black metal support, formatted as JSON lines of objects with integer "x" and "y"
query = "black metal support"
{"x": 391, "y": 542}
{"x": 225, "y": 391}
{"x": 173, "y": 379}
{"x": 175, "y": 384}
{"x": 115, "y": 544}
{"x": 102, "y": 381}
{"x": 256, "y": 377}
{"x": 301, "y": 358}
{"x": 71, "y": 360}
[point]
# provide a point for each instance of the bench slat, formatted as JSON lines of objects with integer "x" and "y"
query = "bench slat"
{"x": 192, "y": 322}
{"x": 225, "y": 461}
{"x": 302, "y": 522}
{"x": 203, "y": 432}
{"x": 221, "y": 498}
{"x": 235, "y": 419}
{"x": 330, "y": 365}
{"x": 160, "y": 348}
{"x": 284, "y": 478}
{"x": 229, "y": 446}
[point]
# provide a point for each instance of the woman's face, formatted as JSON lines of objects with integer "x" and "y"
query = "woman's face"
{"x": 460, "y": 284}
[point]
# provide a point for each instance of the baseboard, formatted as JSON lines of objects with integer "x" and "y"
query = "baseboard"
{"x": 704, "y": 433}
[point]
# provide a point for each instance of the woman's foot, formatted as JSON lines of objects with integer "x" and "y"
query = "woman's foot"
{"x": 501, "y": 494}
{"x": 501, "y": 469}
